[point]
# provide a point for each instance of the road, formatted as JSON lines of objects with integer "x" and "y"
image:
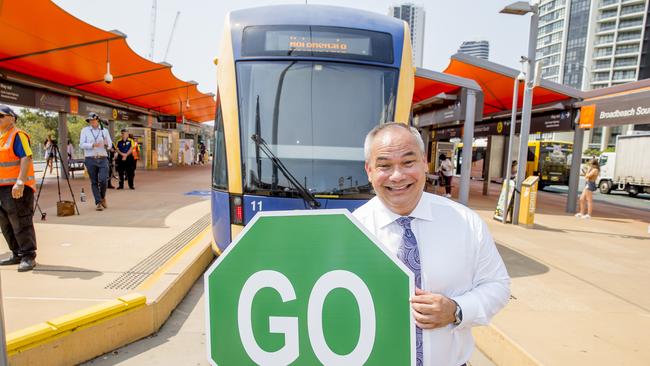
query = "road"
{"x": 619, "y": 198}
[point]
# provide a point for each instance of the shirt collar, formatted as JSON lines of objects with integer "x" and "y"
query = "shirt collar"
{"x": 385, "y": 216}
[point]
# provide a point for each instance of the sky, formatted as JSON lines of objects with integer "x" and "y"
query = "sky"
{"x": 198, "y": 33}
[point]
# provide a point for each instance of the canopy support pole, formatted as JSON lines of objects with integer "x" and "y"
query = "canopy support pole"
{"x": 574, "y": 172}
{"x": 468, "y": 137}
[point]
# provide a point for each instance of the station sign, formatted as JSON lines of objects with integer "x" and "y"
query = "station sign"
{"x": 616, "y": 111}
{"x": 11, "y": 93}
{"x": 308, "y": 288}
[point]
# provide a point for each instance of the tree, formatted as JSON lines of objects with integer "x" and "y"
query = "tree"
{"x": 38, "y": 124}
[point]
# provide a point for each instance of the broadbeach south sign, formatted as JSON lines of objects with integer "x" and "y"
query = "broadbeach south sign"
{"x": 308, "y": 288}
{"x": 615, "y": 111}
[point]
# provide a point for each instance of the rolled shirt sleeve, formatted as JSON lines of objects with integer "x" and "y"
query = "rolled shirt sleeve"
{"x": 21, "y": 146}
{"x": 491, "y": 283}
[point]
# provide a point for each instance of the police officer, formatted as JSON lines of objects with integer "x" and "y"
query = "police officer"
{"x": 17, "y": 186}
{"x": 125, "y": 160}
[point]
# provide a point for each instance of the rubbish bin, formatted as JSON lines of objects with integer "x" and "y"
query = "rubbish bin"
{"x": 528, "y": 202}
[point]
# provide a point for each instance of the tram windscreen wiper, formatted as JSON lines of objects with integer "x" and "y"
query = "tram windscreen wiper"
{"x": 302, "y": 190}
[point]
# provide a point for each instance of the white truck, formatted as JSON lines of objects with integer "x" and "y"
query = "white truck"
{"x": 628, "y": 169}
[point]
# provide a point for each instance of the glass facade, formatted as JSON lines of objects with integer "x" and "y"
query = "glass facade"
{"x": 576, "y": 43}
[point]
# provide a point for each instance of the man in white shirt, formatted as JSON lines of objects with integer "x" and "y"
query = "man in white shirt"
{"x": 460, "y": 278}
{"x": 94, "y": 140}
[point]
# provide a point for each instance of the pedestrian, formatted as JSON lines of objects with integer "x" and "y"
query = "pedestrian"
{"x": 202, "y": 151}
{"x": 587, "y": 198}
{"x": 16, "y": 201}
{"x": 460, "y": 278}
{"x": 446, "y": 173}
{"x": 70, "y": 150}
{"x": 94, "y": 140}
{"x": 48, "y": 149}
{"x": 125, "y": 160}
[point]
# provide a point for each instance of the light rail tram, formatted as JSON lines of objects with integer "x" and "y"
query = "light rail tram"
{"x": 299, "y": 87}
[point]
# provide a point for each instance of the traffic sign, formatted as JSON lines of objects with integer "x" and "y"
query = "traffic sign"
{"x": 308, "y": 288}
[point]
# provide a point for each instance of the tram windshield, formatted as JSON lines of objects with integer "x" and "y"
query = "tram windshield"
{"x": 314, "y": 117}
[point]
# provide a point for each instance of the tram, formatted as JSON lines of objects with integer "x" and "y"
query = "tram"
{"x": 299, "y": 87}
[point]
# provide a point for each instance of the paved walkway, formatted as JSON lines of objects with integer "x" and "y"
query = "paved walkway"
{"x": 79, "y": 256}
{"x": 580, "y": 292}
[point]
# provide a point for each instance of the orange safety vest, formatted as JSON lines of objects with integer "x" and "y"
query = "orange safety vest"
{"x": 10, "y": 162}
{"x": 136, "y": 150}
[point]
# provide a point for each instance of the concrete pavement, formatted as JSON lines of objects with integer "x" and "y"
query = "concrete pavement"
{"x": 79, "y": 256}
{"x": 579, "y": 287}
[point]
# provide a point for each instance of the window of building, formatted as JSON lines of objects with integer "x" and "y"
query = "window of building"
{"x": 627, "y": 36}
{"x": 625, "y": 61}
{"x": 602, "y": 64}
{"x": 628, "y": 48}
{"x": 634, "y": 22}
{"x": 624, "y": 74}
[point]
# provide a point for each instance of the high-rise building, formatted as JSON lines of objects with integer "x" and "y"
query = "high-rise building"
{"x": 414, "y": 15}
{"x": 592, "y": 44}
{"x": 479, "y": 49}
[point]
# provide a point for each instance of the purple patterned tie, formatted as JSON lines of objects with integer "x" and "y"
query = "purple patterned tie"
{"x": 409, "y": 254}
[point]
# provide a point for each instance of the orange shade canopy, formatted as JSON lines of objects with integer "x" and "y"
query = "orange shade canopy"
{"x": 41, "y": 40}
{"x": 497, "y": 83}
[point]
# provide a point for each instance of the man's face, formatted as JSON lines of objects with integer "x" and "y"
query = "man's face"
{"x": 396, "y": 169}
{"x": 125, "y": 135}
{"x": 5, "y": 120}
{"x": 94, "y": 123}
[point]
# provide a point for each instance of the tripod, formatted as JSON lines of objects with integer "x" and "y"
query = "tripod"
{"x": 56, "y": 155}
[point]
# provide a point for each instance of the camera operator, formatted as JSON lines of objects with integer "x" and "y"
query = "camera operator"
{"x": 94, "y": 140}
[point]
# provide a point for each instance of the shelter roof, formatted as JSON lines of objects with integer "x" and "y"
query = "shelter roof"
{"x": 429, "y": 84}
{"x": 43, "y": 41}
{"x": 497, "y": 83}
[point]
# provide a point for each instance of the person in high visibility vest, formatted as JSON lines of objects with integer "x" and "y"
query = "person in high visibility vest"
{"x": 17, "y": 187}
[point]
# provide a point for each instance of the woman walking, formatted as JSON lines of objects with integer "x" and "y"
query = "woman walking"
{"x": 586, "y": 199}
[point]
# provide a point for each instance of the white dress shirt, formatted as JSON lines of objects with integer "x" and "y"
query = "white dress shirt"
{"x": 89, "y": 136}
{"x": 458, "y": 259}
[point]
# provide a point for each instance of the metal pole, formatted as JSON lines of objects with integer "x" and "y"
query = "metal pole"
{"x": 3, "y": 338}
{"x": 574, "y": 172}
{"x": 468, "y": 136}
{"x": 513, "y": 125}
{"x": 526, "y": 110}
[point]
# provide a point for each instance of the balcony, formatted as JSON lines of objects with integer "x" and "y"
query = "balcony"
{"x": 607, "y": 3}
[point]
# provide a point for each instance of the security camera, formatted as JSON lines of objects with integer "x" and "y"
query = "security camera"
{"x": 108, "y": 78}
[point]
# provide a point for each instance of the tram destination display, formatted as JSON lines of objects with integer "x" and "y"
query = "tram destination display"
{"x": 317, "y": 42}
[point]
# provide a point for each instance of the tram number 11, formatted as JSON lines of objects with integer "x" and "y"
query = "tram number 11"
{"x": 257, "y": 205}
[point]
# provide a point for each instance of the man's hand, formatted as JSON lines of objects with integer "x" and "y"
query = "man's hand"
{"x": 432, "y": 310}
{"x": 98, "y": 144}
{"x": 17, "y": 191}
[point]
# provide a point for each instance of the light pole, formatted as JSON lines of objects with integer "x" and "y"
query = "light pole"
{"x": 523, "y": 8}
{"x": 513, "y": 126}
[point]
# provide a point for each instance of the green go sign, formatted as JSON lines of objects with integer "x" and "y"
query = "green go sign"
{"x": 308, "y": 288}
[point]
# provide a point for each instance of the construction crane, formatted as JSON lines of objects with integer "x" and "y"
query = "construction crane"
{"x": 152, "y": 36}
{"x": 171, "y": 35}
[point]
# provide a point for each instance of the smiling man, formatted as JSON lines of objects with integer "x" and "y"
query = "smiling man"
{"x": 460, "y": 278}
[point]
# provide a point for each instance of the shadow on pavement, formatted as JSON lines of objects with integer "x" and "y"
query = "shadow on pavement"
{"x": 611, "y": 235}
{"x": 519, "y": 265}
{"x": 65, "y": 272}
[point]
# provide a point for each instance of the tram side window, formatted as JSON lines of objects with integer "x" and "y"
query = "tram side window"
{"x": 219, "y": 168}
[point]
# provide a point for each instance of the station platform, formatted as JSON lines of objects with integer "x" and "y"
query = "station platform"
{"x": 579, "y": 287}
{"x": 98, "y": 256}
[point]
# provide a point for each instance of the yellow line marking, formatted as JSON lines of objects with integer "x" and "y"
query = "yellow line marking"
{"x": 165, "y": 267}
